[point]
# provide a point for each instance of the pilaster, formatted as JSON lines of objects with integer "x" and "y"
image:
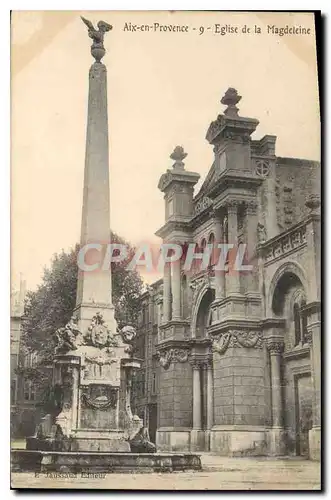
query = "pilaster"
{"x": 314, "y": 336}
{"x": 232, "y": 276}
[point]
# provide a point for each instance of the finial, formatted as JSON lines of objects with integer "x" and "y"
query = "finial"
{"x": 178, "y": 155}
{"x": 230, "y": 99}
{"x": 97, "y": 47}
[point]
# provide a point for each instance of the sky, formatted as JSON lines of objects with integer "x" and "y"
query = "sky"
{"x": 164, "y": 89}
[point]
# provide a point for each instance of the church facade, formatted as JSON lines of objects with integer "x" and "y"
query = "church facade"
{"x": 232, "y": 357}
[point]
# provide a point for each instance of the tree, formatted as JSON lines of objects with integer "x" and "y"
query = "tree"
{"x": 51, "y": 305}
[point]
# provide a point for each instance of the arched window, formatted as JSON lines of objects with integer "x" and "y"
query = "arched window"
{"x": 297, "y": 324}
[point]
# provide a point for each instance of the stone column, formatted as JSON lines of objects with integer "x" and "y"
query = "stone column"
{"x": 314, "y": 338}
{"x": 176, "y": 290}
{"x": 219, "y": 275}
{"x": 277, "y": 447}
{"x": 210, "y": 396}
{"x": 167, "y": 293}
{"x": 251, "y": 227}
{"x": 159, "y": 316}
{"x": 313, "y": 235}
{"x": 196, "y": 397}
{"x": 197, "y": 434}
{"x": 232, "y": 277}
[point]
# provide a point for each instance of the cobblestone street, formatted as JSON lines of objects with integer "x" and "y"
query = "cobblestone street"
{"x": 219, "y": 473}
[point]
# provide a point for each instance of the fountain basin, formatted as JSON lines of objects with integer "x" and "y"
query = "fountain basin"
{"x": 95, "y": 462}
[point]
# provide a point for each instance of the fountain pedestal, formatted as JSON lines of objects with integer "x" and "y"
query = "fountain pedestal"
{"x": 94, "y": 381}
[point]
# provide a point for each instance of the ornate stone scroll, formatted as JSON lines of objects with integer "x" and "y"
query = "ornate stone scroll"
{"x": 98, "y": 334}
{"x": 166, "y": 357}
{"x": 202, "y": 204}
{"x": 237, "y": 338}
{"x": 247, "y": 339}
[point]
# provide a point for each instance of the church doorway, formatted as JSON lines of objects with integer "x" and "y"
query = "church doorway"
{"x": 202, "y": 322}
{"x": 288, "y": 303}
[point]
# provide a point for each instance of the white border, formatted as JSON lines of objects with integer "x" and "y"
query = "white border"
{"x": 324, "y": 6}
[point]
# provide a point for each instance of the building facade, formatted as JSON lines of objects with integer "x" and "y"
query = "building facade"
{"x": 232, "y": 357}
{"x": 23, "y": 392}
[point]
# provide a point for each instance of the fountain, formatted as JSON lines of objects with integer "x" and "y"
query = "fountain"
{"x": 90, "y": 426}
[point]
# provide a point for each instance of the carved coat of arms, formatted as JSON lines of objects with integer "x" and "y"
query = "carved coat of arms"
{"x": 98, "y": 334}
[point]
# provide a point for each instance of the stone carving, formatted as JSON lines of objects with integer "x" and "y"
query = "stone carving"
{"x": 261, "y": 233}
{"x": 230, "y": 99}
{"x": 308, "y": 338}
{"x": 246, "y": 339}
{"x": 101, "y": 359}
{"x": 128, "y": 334}
{"x": 262, "y": 168}
{"x": 285, "y": 243}
{"x": 67, "y": 337}
{"x": 98, "y": 334}
{"x": 233, "y": 136}
{"x": 97, "y": 48}
{"x": 202, "y": 204}
{"x": 201, "y": 363}
{"x": 139, "y": 437}
{"x": 201, "y": 281}
{"x": 164, "y": 181}
{"x": 214, "y": 129}
{"x": 180, "y": 355}
{"x": 178, "y": 155}
{"x": 63, "y": 421}
{"x": 221, "y": 344}
{"x": 237, "y": 338}
{"x": 276, "y": 347}
{"x": 166, "y": 357}
{"x": 100, "y": 397}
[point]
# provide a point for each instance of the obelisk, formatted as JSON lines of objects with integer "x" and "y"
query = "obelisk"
{"x": 93, "y": 362}
{"x": 94, "y": 291}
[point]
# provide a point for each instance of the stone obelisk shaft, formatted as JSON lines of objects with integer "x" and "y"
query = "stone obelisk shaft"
{"x": 94, "y": 287}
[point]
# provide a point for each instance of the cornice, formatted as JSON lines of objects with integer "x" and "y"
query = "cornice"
{"x": 179, "y": 176}
{"x": 233, "y": 180}
{"x": 174, "y": 322}
{"x": 174, "y": 225}
{"x": 230, "y": 324}
{"x": 273, "y": 323}
{"x": 301, "y": 352}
